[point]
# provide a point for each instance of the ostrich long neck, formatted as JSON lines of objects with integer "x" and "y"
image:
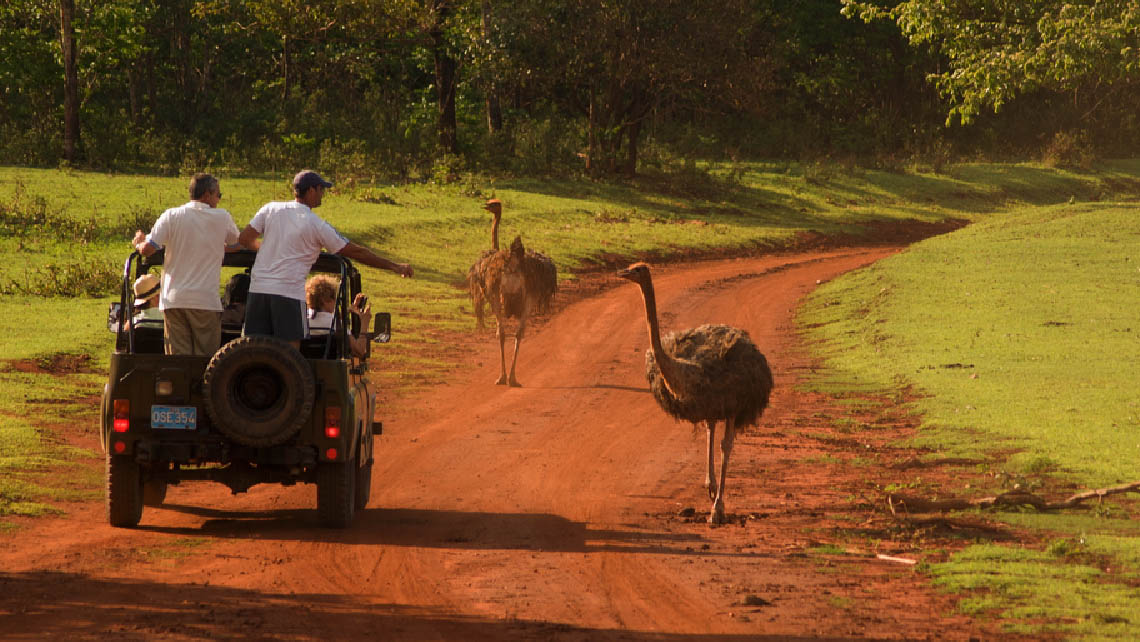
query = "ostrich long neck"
{"x": 495, "y": 232}
{"x": 665, "y": 362}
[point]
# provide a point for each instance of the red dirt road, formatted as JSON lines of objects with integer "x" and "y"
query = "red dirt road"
{"x": 554, "y": 511}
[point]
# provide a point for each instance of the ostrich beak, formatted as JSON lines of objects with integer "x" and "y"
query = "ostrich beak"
{"x": 626, "y": 274}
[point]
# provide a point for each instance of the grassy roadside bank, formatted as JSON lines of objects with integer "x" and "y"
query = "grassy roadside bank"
{"x": 1018, "y": 335}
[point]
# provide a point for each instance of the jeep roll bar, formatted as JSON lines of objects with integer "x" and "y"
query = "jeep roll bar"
{"x": 327, "y": 263}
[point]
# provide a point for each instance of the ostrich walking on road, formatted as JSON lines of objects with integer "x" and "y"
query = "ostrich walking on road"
{"x": 476, "y": 274}
{"x": 509, "y": 285}
{"x": 540, "y": 270}
{"x": 705, "y": 374}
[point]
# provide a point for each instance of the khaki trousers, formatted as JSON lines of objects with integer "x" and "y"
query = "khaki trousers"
{"x": 192, "y": 331}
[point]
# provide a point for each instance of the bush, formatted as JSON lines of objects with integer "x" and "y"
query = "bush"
{"x": 1072, "y": 150}
{"x": 447, "y": 169}
{"x": 28, "y": 216}
{"x": 347, "y": 162}
{"x": 25, "y": 214}
{"x": 30, "y": 147}
{"x": 82, "y": 277}
{"x": 547, "y": 145}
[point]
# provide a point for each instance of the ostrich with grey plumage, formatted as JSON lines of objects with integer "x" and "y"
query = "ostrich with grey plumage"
{"x": 707, "y": 374}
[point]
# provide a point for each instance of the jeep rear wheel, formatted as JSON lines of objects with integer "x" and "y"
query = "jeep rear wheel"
{"x": 124, "y": 491}
{"x": 363, "y": 485}
{"x": 258, "y": 390}
{"x": 336, "y": 493}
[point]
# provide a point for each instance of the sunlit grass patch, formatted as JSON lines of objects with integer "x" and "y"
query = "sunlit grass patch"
{"x": 23, "y": 454}
{"x": 34, "y": 326}
{"x": 37, "y": 470}
{"x": 1028, "y": 338}
{"x": 1057, "y": 589}
{"x": 1017, "y": 337}
{"x": 20, "y": 447}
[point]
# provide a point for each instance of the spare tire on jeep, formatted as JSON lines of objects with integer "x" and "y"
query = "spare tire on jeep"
{"x": 258, "y": 390}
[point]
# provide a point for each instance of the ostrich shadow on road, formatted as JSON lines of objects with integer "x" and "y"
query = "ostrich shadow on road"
{"x": 421, "y": 528}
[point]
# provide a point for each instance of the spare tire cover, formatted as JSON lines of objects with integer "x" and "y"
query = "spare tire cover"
{"x": 259, "y": 390}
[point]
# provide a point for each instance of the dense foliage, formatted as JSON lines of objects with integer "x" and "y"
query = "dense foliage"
{"x": 425, "y": 88}
{"x": 1069, "y": 68}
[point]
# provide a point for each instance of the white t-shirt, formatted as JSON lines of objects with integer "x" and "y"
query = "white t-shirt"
{"x": 292, "y": 238}
{"x": 320, "y": 322}
{"x": 149, "y": 315}
{"x": 195, "y": 236}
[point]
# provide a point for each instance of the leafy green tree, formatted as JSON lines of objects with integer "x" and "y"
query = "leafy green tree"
{"x": 31, "y": 82}
{"x": 997, "y": 51}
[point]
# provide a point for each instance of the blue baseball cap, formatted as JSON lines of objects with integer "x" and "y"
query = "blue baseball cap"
{"x": 307, "y": 178}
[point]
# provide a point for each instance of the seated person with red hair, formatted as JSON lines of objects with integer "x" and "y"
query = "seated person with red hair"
{"x": 320, "y": 296}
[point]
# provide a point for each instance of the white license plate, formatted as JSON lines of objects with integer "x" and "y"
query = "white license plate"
{"x": 174, "y": 417}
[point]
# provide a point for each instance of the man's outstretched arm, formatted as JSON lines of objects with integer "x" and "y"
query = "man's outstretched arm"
{"x": 368, "y": 257}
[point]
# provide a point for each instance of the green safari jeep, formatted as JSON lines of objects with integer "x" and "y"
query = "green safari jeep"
{"x": 256, "y": 411}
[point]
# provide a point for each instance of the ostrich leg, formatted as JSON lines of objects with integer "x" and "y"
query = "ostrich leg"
{"x": 518, "y": 340}
{"x": 478, "y": 305}
{"x": 710, "y": 478}
{"x": 717, "y": 514}
{"x": 502, "y": 355}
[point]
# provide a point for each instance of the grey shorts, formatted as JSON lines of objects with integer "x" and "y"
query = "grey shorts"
{"x": 275, "y": 316}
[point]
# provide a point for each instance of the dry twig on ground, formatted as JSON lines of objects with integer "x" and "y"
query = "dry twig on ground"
{"x": 911, "y": 504}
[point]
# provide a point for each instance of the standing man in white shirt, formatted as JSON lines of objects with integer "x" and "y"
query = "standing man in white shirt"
{"x": 195, "y": 236}
{"x": 292, "y": 238}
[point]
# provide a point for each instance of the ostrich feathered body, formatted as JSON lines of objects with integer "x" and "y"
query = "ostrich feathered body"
{"x": 477, "y": 280}
{"x": 485, "y": 278}
{"x": 541, "y": 278}
{"x": 510, "y": 280}
{"x": 722, "y": 373}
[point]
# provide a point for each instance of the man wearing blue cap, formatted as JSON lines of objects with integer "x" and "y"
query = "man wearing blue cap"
{"x": 292, "y": 236}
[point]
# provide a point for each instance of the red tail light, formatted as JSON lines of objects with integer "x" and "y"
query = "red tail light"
{"x": 332, "y": 423}
{"x": 122, "y": 422}
{"x": 120, "y": 447}
{"x": 330, "y": 453}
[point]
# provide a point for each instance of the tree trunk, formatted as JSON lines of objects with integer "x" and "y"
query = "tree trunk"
{"x": 494, "y": 109}
{"x": 445, "y": 83}
{"x": 634, "y": 131}
{"x": 182, "y": 57}
{"x": 70, "y": 80}
{"x": 133, "y": 93}
{"x": 285, "y": 68}
{"x": 591, "y": 137}
{"x": 152, "y": 86}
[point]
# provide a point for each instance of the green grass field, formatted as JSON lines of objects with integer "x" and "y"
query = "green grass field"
{"x": 1018, "y": 329}
{"x": 1021, "y": 338}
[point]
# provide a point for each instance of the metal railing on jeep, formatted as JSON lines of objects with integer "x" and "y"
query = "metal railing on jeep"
{"x": 146, "y": 337}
